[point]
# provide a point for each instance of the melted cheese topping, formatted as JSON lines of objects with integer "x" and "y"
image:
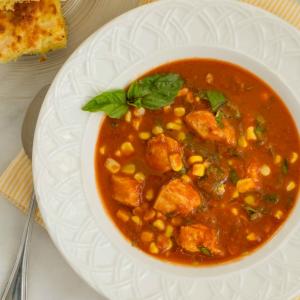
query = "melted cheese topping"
{"x": 9, "y": 4}
{"x": 31, "y": 28}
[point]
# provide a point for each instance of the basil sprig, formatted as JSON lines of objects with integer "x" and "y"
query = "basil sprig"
{"x": 152, "y": 92}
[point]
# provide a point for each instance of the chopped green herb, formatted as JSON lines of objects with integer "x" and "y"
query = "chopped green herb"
{"x": 233, "y": 176}
{"x": 205, "y": 251}
{"x": 152, "y": 92}
{"x": 155, "y": 91}
{"x": 254, "y": 213}
{"x": 215, "y": 98}
{"x": 236, "y": 114}
{"x": 182, "y": 171}
{"x": 273, "y": 198}
{"x": 285, "y": 166}
{"x": 219, "y": 118}
{"x": 260, "y": 127}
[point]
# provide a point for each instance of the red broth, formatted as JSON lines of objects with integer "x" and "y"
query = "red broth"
{"x": 238, "y": 181}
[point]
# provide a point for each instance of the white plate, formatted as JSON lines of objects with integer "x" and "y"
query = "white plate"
{"x": 65, "y": 140}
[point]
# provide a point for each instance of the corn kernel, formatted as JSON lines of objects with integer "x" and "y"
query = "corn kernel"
{"x": 173, "y": 126}
{"x": 169, "y": 230}
{"x": 128, "y": 169}
{"x": 131, "y": 137}
{"x": 291, "y": 186}
{"x": 140, "y": 177}
{"x": 183, "y": 92}
{"x": 139, "y": 112}
{"x": 164, "y": 243}
{"x": 137, "y": 220}
{"x": 234, "y": 211}
{"x": 245, "y": 185}
{"x": 123, "y": 215}
{"x": 198, "y": 170}
{"x": 102, "y": 150}
{"x": 277, "y": 159}
{"x": 242, "y": 142}
{"x": 127, "y": 148}
{"x": 197, "y": 99}
{"x": 136, "y": 123}
{"x": 159, "y": 224}
{"x": 178, "y": 121}
{"x": 118, "y": 153}
{"x": 128, "y": 116}
{"x": 157, "y": 130}
{"x": 147, "y": 236}
{"x": 176, "y": 162}
{"x": 153, "y": 248}
{"x": 251, "y": 237}
{"x": 250, "y": 200}
{"x": 179, "y": 111}
{"x": 195, "y": 159}
{"x": 149, "y": 215}
{"x": 294, "y": 157}
{"x": 145, "y": 136}
{"x": 167, "y": 108}
{"x": 112, "y": 165}
{"x": 265, "y": 170}
{"x": 149, "y": 194}
{"x": 181, "y": 136}
{"x": 220, "y": 189}
{"x": 235, "y": 194}
{"x": 278, "y": 215}
{"x": 251, "y": 136}
{"x": 186, "y": 179}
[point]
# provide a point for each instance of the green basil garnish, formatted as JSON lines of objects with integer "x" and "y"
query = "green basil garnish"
{"x": 152, "y": 92}
{"x": 205, "y": 251}
{"x": 233, "y": 176}
{"x": 113, "y": 103}
{"x": 215, "y": 98}
{"x": 285, "y": 166}
{"x": 273, "y": 198}
{"x": 254, "y": 213}
{"x": 219, "y": 118}
{"x": 155, "y": 91}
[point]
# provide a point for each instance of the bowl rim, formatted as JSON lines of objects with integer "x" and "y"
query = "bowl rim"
{"x": 97, "y": 206}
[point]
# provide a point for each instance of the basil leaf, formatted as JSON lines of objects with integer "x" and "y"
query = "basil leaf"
{"x": 254, "y": 213}
{"x": 233, "y": 176}
{"x": 260, "y": 127}
{"x": 113, "y": 103}
{"x": 155, "y": 91}
{"x": 273, "y": 198}
{"x": 219, "y": 118}
{"x": 204, "y": 251}
{"x": 285, "y": 166}
{"x": 215, "y": 98}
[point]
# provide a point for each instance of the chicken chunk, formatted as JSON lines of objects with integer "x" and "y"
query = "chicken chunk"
{"x": 177, "y": 196}
{"x": 192, "y": 237}
{"x": 126, "y": 190}
{"x": 205, "y": 124}
{"x": 158, "y": 152}
{"x": 253, "y": 181}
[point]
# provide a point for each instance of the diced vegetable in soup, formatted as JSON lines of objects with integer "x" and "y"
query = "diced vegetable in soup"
{"x": 197, "y": 162}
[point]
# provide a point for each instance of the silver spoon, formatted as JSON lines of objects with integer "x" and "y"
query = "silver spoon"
{"x": 16, "y": 287}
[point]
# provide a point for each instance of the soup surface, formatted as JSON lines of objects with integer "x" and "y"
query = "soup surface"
{"x": 208, "y": 178}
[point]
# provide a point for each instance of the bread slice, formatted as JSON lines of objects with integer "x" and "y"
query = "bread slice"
{"x": 9, "y": 4}
{"x": 31, "y": 28}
